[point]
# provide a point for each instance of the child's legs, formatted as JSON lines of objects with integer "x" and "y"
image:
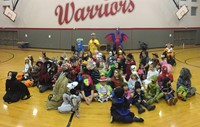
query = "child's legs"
{"x": 125, "y": 119}
{"x": 159, "y": 96}
{"x": 65, "y": 108}
{"x": 145, "y": 104}
{"x": 167, "y": 96}
{"x": 137, "y": 104}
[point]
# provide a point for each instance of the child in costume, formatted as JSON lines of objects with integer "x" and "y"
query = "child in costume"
{"x": 163, "y": 75}
{"x": 129, "y": 62}
{"x": 144, "y": 61}
{"x": 94, "y": 73}
{"x": 117, "y": 79}
{"x": 155, "y": 59}
{"x": 168, "y": 92}
{"x": 163, "y": 62}
{"x": 139, "y": 99}
{"x": 169, "y": 51}
{"x": 104, "y": 92}
{"x": 120, "y": 108}
{"x": 127, "y": 93}
{"x": 131, "y": 82}
{"x": 71, "y": 100}
{"x": 15, "y": 90}
{"x": 152, "y": 71}
{"x": 87, "y": 91}
{"x": 184, "y": 85}
{"x": 153, "y": 93}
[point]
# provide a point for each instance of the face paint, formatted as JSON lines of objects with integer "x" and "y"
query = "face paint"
{"x": 86, "y": 82}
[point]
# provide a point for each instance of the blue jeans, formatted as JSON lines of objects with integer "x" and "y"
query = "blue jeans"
{"x": 168, "y": 96}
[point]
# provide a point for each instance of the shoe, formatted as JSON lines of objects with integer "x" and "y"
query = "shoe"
{"x": 136, "y": 119}
{"x": 111, "y": 119}
{"x": 175, "y": 101}
{"x": 26, "y": 97}
{"x": 151, "y": 107}
{"x": 170, "y": 101}
{"x": 140, "y": 111}
{"x": 100, "y": 100}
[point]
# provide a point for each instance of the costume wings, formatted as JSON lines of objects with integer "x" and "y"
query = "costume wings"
{"x": 117, "y": 39}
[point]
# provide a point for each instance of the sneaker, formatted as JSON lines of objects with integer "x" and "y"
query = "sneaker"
{"x": 140, "y": 111}
{"x": 170, "y": 101}
{"x": 151, "y": 107}
{"x": 100, "y": 100}
{"x": 175, "y": 101}
{"x": 136, "y": 119}
{"x": 111, "y": 119}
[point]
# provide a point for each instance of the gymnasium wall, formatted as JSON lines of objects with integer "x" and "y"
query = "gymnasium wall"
{"x": 57, "y": 24}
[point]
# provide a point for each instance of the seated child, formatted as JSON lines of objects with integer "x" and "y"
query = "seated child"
{"x": 153, "y": 91}
{"x": 152, "y": 71}
{"x": 120, "y": 108}
{"x": 71, "y": 100}
{"x": 184, "y": 88}
{"x": 15, "y": 90}
{"x": 104, "y": 92}
{"x": 139, "y": 99}
{"x": 168, "y": 92}
{"x": 127, "y": 93}
{"x": 87, "y": 91}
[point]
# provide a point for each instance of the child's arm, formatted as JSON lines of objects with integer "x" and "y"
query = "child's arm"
{"x": 83, "y": 94}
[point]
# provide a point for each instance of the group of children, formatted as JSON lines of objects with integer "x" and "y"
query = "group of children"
{"x": 93, "y": 77}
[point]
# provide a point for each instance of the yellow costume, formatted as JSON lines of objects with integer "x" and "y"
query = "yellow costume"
{"x": 93, "y": 45}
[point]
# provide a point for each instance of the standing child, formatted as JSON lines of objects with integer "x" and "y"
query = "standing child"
{"x": 184, "y": 87}
{"x": 139, "y": 99}
{"x": 120, "y": 108}
{"x": 168, "y": 92}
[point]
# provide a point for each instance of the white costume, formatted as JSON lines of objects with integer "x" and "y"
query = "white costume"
{"x": 71, "y": 100}
{"x": 149, "y": 75}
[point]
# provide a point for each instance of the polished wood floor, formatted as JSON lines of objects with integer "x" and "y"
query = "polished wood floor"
{"x": 32, "y": 112}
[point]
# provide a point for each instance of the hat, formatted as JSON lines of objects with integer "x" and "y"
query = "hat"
{"x": 72, "y": 85}
{"x": 119, "y": 92}
{"x": 137, "y": 85}
{"x": 166, "y": 80}
{"x": 93, "y": 34}
{"x": 103, "y": 79}
{"x": 155, "y": 54}
{"x": 154, "y": 78}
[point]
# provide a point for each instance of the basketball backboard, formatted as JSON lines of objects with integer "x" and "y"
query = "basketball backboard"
{"x": 10, "y": 14}
{"x": 182, "y": 12}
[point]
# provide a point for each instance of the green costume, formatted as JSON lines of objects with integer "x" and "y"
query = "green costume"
{"x": 153, "y": 93}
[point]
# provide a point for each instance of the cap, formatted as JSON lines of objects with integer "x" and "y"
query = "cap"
{"x": 93, "y": 34}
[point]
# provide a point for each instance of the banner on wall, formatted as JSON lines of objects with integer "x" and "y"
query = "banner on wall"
{"x": 69, "y": 13}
